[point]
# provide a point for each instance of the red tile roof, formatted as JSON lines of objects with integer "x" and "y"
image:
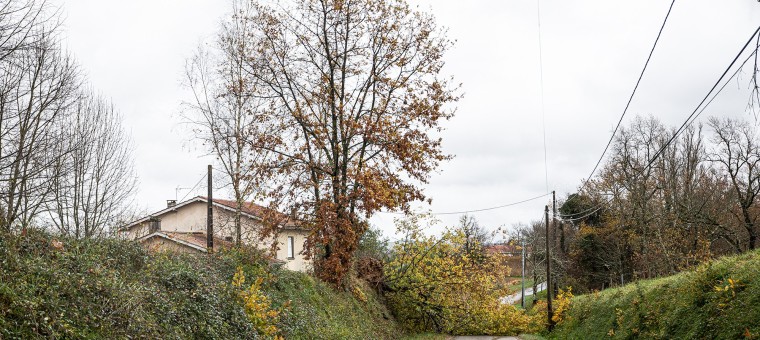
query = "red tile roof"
{"x": 249, "y": 208}
{"x": 198, "y": 241}
{"x": 197, "y": 238}
{"x": 256, "y": 210}
{"x": 502, "y": 249}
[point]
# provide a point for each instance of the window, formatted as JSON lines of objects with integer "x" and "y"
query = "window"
{"x": 291, "y": 248}
{"x": 154, "y": 225}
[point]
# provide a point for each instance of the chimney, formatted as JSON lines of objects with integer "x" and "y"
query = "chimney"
{"x": 171, "y": 203}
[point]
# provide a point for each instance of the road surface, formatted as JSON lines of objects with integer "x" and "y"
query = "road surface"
{"x": 514, "y": 298}
{"x": 486, "y": 338}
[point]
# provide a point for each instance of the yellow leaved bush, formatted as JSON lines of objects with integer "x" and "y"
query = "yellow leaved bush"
{"x": 448, "y": 284}
{"x": 257, "y": 306}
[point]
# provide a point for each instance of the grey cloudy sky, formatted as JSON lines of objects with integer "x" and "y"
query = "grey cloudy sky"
{"x": 593, "y": 50}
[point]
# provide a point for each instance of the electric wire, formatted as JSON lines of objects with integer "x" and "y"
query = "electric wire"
{"x": 689, "y": 119}
{"x": 193, "y": 188}
{"x": 583, "y": 217}
{"x": 570, "y": 217}
{"x": 596, "y": 207}
{"x": 754, "y": 53}
{"x": 478, "y": 210}
{"x": 543, "y": 107}
{"x": 492, "y": 208}
{"x": 630, "y": 99}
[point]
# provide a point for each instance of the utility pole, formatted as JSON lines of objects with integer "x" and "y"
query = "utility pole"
{"x": 210, "y": 214}
{"x": 562, "y": 238}
{"x": 548, "y": 273}
{"x": 522, "y": 295}
{"x": 533, "y": 268}
{"x": 554, "y": 236}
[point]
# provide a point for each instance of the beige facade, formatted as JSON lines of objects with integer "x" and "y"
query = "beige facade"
{"x": 283, "y": 247}
{"x": 190, "y": 217}
{"x": 163, "y": 244}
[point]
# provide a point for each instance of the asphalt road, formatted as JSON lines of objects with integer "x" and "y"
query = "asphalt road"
{"x": 486, "y": 338}
{"x": 512, "y": 299}
{"x": 506, "y": 300}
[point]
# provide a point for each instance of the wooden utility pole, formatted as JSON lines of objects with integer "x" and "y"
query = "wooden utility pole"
{"x": 533, "y": 268}
{"x": 522, "y": 295}
{"x": 548, "y": 273}
{"x": 555, "y": 287}
{"x": 210, "y": 214}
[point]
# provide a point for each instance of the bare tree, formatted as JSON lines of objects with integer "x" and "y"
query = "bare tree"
{"x": 93, "y": 181}
{"x": 222, "y": 113}
{"x": 695, "y": 201}
{"x": 38, "y": 88}
{"x": 475, "y": 236}
{"x": 753, "y": 104}
{"x": 635, "y": 191}
{"x": 737, "y": 153}
{"x": 23, "y": 23}
{"x": 59, "y": 149}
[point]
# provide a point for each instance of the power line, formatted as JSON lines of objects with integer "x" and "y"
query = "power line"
{"x": 754, "y": 53}
{"x": 588, "y": 212}
{"x": 581, "y": 212}
{"x": 689, "y": 119}
{"x": 194, "y": 186}
{"x": 599, "y": 207}
{"x": 492, "y": 208}
{"x": 627, "y": 105}
{"x": 479, "y": 210}
{"x": 543, "y": 107}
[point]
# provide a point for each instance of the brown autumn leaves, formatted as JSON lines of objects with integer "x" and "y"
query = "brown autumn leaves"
{"x": 326, "y": 110}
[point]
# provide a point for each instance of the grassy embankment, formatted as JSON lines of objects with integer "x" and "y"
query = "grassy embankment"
{"x": 717, "y": 300}
{"x": 109, "y": 289}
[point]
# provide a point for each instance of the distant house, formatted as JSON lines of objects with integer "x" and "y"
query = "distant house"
{"x": 510, "y": 256}
{"x": 181, "y": 227}
{"x": 503, "y": 249}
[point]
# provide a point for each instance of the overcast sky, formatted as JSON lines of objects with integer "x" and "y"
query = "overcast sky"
{"x": 593, "y": 51}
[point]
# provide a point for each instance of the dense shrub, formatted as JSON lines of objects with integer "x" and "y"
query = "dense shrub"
{"x": 53, "y": 287}
{"x": 448, "y": 284}
{"x": 65, "y": 288}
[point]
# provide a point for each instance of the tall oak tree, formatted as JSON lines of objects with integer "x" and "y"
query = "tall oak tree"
{"x": 355, "y": 94}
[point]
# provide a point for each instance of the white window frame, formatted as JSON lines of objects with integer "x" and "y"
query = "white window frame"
{"x": 291, "y": 248}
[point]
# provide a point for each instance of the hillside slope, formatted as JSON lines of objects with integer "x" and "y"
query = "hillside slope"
{"x": 718, "y": 300}
{"x": 107, "y": 289}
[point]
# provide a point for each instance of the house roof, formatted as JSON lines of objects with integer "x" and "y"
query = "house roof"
{"x": 254, "y": 209}
{"x": 193, "y": 240}
{"x": 502, "y": 249}
{"x": 249, "y": 209}
{"x": 197, "y": 241}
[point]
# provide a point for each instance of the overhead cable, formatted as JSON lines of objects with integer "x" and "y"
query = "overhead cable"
{"x": 479, "y": 210}
{"x": 689, "y": 119}
{"x": 194, "y": 186}
{"x": 628, "y": 104}
{"x": 543, "y": 107}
